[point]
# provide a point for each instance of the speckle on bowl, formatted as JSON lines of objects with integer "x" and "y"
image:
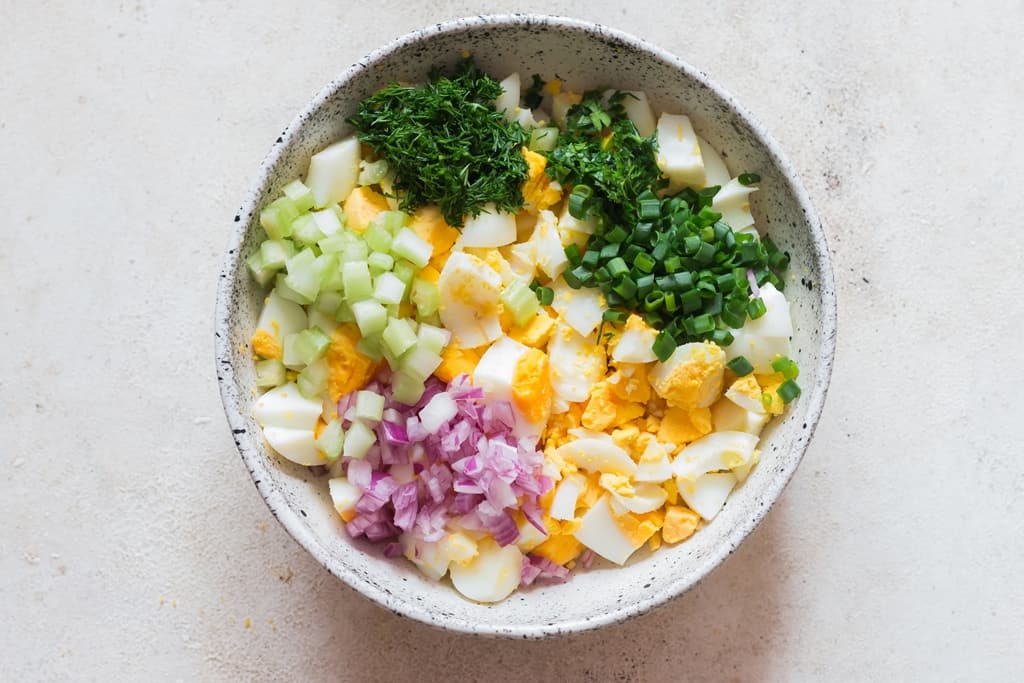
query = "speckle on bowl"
{"x": 583, "y": 55}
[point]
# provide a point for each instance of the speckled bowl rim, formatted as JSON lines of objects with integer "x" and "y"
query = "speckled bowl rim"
{"x": 813, "y": 401}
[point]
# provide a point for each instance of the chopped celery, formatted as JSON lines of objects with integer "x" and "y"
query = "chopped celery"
{"x": 356, "y": 251}
{"x": 405, "y": 271}
{"x": 543, "y": 139}
{"x": 344, "y": 313}
{"x": 359, "y": 439}
{"x": 304, "y": 281}
{"x": 303, "y": 348}
{"x": 328, "y": 222}
{"x": 420, "y": 363}
{"x": 331, "y": 440}
{"x": 388, "y": 289}
{"x": 277, "y": 218}
{"x": 269, "y": 373}
{"x": 356, "y": 276}
{"x": 372, "y": 172}
{"x": 328, "y": 302}
{"x": 259, "y": 270}
{"x": 324, "y": 321}
{"x": 282, "y": 287}
{"x": 305, "y": 230}
{"x": 406, "y": 389}
{"x": 300, "y": 195}
{"x": 370, "y": 316}
{"x": 370, "y": 347}
{"x": 369, "y": 405}
{"x": 380, "y": 262}
{"x": 408, "y": 245}
{"x": 312, "y": 381}
{"x": 398, "y": 336}
{"x": 392, "y": 221}
{"x": 335, "y": 244}
{"x": 432, "y": 338}
{"x": 330, "y": 273}
{"x": 520, "y": 301}
{"x": 394, "y": 362}
{"x": 393, "y": 310}
{"x": 275, "y": 253}
{"x": 425, "y": 295}
{"x": 377, "y": 238}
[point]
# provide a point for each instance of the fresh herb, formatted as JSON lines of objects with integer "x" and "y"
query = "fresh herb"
{"x": 446, "y": 143}
{"x": 748, "y": 179}
{"x": 534, "y": 95}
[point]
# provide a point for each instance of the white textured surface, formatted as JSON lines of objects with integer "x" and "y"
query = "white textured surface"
{"x": 133, "y": 542}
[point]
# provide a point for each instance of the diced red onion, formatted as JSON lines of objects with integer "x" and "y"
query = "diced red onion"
{"x": 752, "y": 279}
{"x": 395, "y": 433}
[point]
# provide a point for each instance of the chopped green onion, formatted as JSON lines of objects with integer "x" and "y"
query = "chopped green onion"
{"x": 572, "y": 252}
{"x": 545, "y": 295}
{"x": 690, "y": 301}
{"x": 617, "y": 234}
{"x": 591, "y": 258}
{"x": 650, "y": 209}
{"x": 748, "y": 179}
{"x": 740, "y": 366}
{"x": 664, "y": 345}
{"x": 579, "y": 201}
{"x": 787, "y": 367}
{"x": 702, "y": 324}
{"x": 788, "y": 391}
{"x": 722, "y": 337}
{"x": 617, "y": 267}
{"x": 645, "y": 263}
{"x": 756, "y": 308}
{"x": 616, "y": 317}
{"x": 625, "y": 288}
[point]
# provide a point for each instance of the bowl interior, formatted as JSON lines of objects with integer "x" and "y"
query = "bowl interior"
{"x": 583, "y": 56}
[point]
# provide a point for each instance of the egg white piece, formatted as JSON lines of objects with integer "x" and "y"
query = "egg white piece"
{"x": 679, "y": 156}
{"x": 281, "y": 317}
{"x": 646, "y": 497}
{"x": 726, "y": 416}
{"x": 638, "y": 110}
{"x": 597, "y": 455}
{"x": 529, "y": 536}
{"x": 469, "y": 291}
{"x": 333, "y": 172}
{"x": 714, "y": 451}
{"x": 563, "y": 504}
{"x": 457, "y": 548}
{"x": 297, "y": 445}
{"x": 636, "y": 343}
{"x": 708, "y": 494}
{"x": 426, "y": 555}
{"x": 581, "y": 309}
{"x": 492, "y": 575}
{"x": 698, "y": 353}
{"x": 495, "y": 374}
{"x": 733, "y": 202}
{"x": 285, "y": 406}
{"x": 760, "y": 341}
{"x": 344, "y": 494}
{"x": 654, "y": 466}
{"x": 545, "y": 246}
{"x": 576, "y": 364}
{"x": 599, "y": 532}
{"x": 751, "y": 403}
{"x": 560, "y": 106}
{"x": 715, "y": 171}
{"x": 490, "y": 228}
{"x": 508, "y": 100}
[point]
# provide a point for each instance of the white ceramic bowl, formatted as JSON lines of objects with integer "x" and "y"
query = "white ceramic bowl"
{"x": 584, "y": 55}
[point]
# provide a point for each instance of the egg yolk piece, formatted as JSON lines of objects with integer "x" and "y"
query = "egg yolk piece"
{"x": 362, "y": 206}
{"x": 531, "y": 386}
{"x": 348, "y": 370}
{"x": 537, "y": 190}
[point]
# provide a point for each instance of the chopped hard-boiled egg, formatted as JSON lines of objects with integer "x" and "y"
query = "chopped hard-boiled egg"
{"x": 580, "y": 309}
{"x": 726, "y": 416}
{"x": 635, "y": 344}
{"x": 763, "y": 340}
{"x": 716, "y": 451}
{"x": 491, "y": 575}
{"x": 733, "y": 202}
{"x": 489, "y": 229}
{"x": 577, "y": 363}
{"x": 333, "y": 172}
{"x": 679, "y": 156}
{"x": 280, "y": 317}
{"x": 510, "y": 371}
{"x": 715, "y": 171}
{"x": 286, "y": 407}
{"x": 563, "y": 505}
{"x": 654, "y": 465}
{"x": 362, "y": 206}
{"x": 691, "y": 377}
{"x": 469, "y": 292}
{"x": 344, "y": 495}
{"x": 597, "y": 455}
{"x": 708, "y": 493}
{"x": 600, "y": 532}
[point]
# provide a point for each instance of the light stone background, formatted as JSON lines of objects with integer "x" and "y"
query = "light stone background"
{"x": 133, "y": 545}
